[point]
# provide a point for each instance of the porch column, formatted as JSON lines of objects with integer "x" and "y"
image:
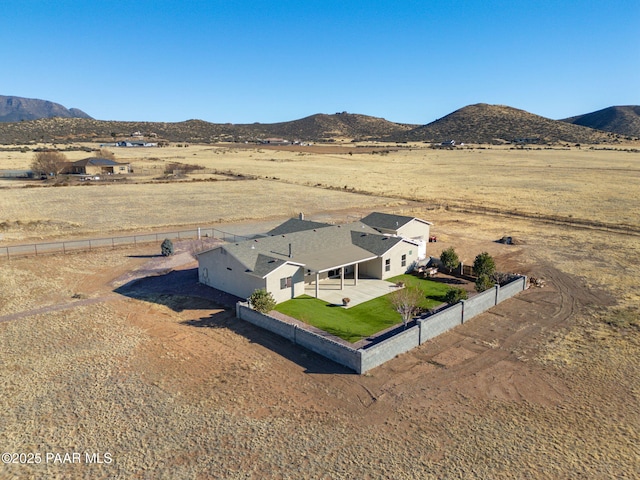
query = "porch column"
{"x": 317, "y": 282}
{"x": 355, "y": 274}
{"x": 341, "y": 278}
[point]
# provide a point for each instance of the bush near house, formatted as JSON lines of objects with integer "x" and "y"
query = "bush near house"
{"x": 262, "y": 301}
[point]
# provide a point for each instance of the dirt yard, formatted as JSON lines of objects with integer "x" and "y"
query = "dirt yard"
{"x": 121, "y": 352}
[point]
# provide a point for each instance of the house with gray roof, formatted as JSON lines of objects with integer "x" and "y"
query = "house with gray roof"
{"x": 401, "y": 225}
{"x": 98, "y": 166}
{"x": 295, "y": 259}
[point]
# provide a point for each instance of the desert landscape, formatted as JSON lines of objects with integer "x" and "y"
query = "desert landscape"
{"x": 119, "y": 351}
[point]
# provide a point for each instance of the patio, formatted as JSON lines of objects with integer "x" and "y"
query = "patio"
{"x": 366, "y": 289}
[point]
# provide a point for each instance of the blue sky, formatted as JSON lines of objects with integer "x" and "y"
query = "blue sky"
{"x": 265, "y": 61}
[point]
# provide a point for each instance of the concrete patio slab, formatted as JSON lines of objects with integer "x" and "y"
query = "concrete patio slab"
{"x": 367, "y": 289}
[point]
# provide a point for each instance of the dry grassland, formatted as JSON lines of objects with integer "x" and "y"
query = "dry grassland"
{"x": 546, "y": 385}
{"x": 582, "y": 184}
{"x": 103, "y": 209}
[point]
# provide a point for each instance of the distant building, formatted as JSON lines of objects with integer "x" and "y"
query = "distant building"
{"x": 98, "y": 166}
{"x": 446, "y": 144}
{"x": 275, "y": 141}
{"x": 130, "y": 143}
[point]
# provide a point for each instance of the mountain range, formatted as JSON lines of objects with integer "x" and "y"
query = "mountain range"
{"x": 479, "y": 123}
{"x": 18, "y": 109}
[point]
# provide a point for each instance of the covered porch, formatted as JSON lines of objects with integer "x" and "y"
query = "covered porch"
{"x": 333, "y": 290}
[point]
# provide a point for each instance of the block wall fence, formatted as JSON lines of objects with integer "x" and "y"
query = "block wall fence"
{"x": 364, "y": 359}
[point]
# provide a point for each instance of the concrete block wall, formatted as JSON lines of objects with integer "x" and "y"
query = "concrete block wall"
{"x": 274, "y": 325}
{"x": 328, "y": 348}
{"x": 386, "y": 350}
{"x": 439, "y": 323}
{"x": 365, "y": 359}
{"x": 512, "y": 288}
{"x": 478, "y": 304}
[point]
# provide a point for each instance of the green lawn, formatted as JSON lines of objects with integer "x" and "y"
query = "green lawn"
{"x": 363, "y": 320}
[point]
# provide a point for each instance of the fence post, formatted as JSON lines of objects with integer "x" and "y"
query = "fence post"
{"x": 35, "y": 247}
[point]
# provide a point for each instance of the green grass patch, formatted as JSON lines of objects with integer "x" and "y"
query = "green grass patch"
{"x": 363, "y": 320}
{"x": 434, "y": 292}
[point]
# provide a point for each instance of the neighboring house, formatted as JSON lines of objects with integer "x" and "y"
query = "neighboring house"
{"x": 98, "y": 166}
{"x": 287, "y": 263}
{"x": 402, "y": 226}
{"x": 275, "y": 141}
{"x": 129, "y": 143}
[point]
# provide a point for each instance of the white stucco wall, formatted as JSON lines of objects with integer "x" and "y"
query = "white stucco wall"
{"x": 415, "y": 229}
{"x": 222, "y": 271}
{"x": 297, "y": 282}
{"x": 395, "y": 256}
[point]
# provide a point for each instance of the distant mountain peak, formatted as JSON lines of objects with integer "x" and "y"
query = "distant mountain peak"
{"x": 17, "y": 109}
{"x": 623, "y": 120}
{"x": 486, "y": 123}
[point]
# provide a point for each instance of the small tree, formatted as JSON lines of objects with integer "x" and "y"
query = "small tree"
{"x": 449, "y": 259}
{"x": 166, "y": 248}
{"x": 49, "y": 162}
{"x": 262, "y": 301}
{"x": 454, "y": 295}
{"x": 484, "y": 265}
{"x": 406, "y": 302}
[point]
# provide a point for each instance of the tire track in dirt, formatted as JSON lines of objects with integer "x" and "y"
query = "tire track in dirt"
{"x": 56, "y": 308}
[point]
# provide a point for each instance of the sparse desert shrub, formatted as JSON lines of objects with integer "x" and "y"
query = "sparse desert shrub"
{"x": 262, "y": 301}
{"x": 166, "y": 248}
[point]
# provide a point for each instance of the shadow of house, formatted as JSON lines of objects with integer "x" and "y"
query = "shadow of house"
{"x": 180, "y": 290}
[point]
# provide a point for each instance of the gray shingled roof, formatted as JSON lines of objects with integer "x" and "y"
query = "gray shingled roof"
{"x": 386, "y": 220}
{"x": 296, "y": 225}
{"x": 95, "y": 161}
{"x": 319, "y": 249}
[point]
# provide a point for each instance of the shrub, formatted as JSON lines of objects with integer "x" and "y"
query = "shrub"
{"x": 454, "y": 295}
{"x": 166, "y": 248}
{"x": 483, "y": 282}
{"x": 449, "y": 258}
{"x": 262, "y": 301}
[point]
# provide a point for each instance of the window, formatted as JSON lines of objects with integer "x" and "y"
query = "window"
{"x": 404, "y": 260}
{"x": 285, "y": 283}
{"x": 387, "y": 265}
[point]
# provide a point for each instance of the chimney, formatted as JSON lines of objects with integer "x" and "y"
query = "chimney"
{"x": 301, "y": 216}
{"x": 290, "y": 254}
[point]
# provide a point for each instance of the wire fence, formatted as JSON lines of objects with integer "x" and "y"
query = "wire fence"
{"x": 69, "y": 246}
